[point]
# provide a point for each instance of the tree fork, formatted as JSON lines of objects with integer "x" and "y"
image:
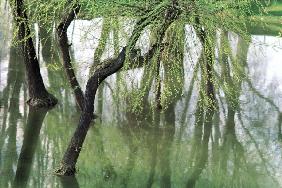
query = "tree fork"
{"x": 67, "y": 166}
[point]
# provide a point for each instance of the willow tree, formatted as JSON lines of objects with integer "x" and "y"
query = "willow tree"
{"x": 166, "y": 20}
{"x": 204, "y": 16}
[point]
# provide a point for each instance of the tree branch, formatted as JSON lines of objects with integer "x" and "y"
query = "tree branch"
{"x": 64, "y": 48}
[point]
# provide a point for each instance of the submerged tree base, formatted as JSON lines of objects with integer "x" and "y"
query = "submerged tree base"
{"x": 48, "y": 101}
{"x": 65, "y": 170}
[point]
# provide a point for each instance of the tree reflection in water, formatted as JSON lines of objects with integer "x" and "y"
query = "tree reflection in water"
{"x": 30, "y": 139}
{"x": 185, "y": 144}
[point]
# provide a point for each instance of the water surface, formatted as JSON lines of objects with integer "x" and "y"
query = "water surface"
{"x": 151, "y": 149}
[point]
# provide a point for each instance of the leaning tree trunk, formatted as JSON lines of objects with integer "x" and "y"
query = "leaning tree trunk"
{"x": 39, "y": 96}
{"x": 71, "y": 155}
{"x": 69, "y": 160}
{"x": 64, "y": 48}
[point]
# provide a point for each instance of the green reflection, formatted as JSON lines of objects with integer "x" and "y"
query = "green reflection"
{"x": 185, "y": 145}
{"x": 30, "y": 138}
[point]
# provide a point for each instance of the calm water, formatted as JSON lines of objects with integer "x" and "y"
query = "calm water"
{"x": 150, "y": 149}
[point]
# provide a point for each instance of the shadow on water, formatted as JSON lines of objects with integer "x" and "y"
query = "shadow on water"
{"x": 199, "y": 151}
{"x": 11, "y": 115}
{"x": 156, "y": 139}
{"x": 69, "y": 182}
{"x": 167, "y": 139}
{"x": 151, "y": 148}
{"x": 30, "y": 141}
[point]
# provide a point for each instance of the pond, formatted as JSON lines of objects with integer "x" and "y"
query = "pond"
{"x": 239, "y": 148}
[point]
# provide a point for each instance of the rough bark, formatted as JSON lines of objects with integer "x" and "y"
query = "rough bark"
{"x": 39, "y": 96}
{"x": 64, "y": 48}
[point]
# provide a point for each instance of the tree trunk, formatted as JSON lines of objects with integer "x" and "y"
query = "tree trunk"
{"x": 39, "y": 96}
{"x": 71, "y": 155}
{"x": 69, "y": 160}
{"x": 64, "y": 47}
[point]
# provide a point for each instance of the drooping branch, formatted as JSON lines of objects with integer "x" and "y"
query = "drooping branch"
{"x": 136, "y": 59}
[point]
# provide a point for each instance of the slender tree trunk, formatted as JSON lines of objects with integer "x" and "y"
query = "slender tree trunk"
{"x": 64, "y": 48}
{"x": 39, "y": 96}
{"x": 201, "y": 156}
{"x": 71, "y": 155}
{"x": 204, "y": 119}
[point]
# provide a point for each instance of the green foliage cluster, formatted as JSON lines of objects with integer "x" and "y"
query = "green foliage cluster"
{"x": 166, "y": 67}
